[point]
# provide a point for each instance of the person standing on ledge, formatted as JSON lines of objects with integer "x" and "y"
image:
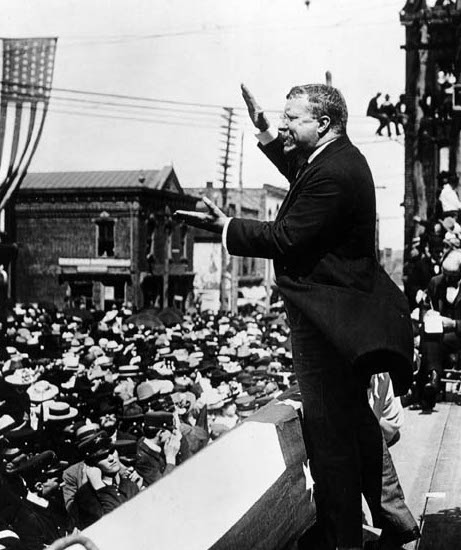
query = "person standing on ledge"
{"x": 347, "y": 318}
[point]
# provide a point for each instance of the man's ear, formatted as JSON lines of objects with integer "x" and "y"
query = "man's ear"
{"x": 38, "y": 487}
{"x": 324, "y": 124}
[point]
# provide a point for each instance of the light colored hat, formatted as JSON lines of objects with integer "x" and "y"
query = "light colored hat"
{"x": 103, "y": 342}
{"x": 161, "y": 386}
{"x": 96, "y": 351}
{"x": 32, "y": 341}
{"x": 70, "y": 362}
{"x": 87, "y": 429}
{"x": 103, "y": 361}
{"x": 19, "y": 310}
{"x": 110, "y": 316}
{"x": 213, "y": 399}
{"x": 20, "y": 377}
{"x": 145, "y": 392}
{"x": 58, "y": 410}
{"x": 6, "y": 423}
{"x": 42, "y": 391}
{"x": 113, "y": 346}
{"x": 128, "y": 371}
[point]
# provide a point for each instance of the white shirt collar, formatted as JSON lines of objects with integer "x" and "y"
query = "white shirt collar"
{"x": 32, "y": 497}
{"x": 319, "y": 150}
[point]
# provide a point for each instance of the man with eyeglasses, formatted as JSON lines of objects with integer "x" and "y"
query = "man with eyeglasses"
{"x": 348, "y": 320}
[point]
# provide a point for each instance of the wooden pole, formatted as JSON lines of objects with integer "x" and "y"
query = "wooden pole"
{"x": 228, "y": 127}
{"x": 238, "y": 213}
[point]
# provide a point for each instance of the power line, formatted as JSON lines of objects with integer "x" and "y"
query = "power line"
{"x": 135, "y": 119}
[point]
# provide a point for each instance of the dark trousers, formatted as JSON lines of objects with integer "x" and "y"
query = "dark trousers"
{"x": 344, "y": 442}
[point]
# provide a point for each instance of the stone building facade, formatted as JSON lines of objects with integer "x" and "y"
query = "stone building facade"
{"x": 255, "y": 275}
{"x": 99, "y": 238}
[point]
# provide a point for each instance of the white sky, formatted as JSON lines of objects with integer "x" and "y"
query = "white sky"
{"x": 199, "y": 51}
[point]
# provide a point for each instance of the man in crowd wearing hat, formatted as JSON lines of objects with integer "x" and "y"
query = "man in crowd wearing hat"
{"x": 41, "y": 517}
{"x": 74, "y": 476}
{"x": 157, "y": 451}
{"x": 106, "y": 488}
{"x": 57, "y": 425}
{"x": 347, "y": 318}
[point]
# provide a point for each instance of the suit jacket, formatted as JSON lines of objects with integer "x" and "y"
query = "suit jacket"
{"x": 323, "y": 247}
{"x": 38, "y": 527}
{"x": 150, "y": 465}
{"x": 90, "y": 505}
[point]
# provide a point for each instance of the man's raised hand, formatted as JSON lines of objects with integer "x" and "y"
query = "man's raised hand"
{"x": 258, "y": 118}
{"x": 214, "y": 220}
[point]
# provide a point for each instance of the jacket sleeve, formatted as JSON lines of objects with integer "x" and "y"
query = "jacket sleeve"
{"x": 274, "y": 152}
{"x": 314, "y": 213}
{"x": 69, "y": 488}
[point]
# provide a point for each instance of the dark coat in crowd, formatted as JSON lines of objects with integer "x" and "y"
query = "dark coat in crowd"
{"x": 150, "y": 464}
{"x": 90, "y": 505}
{"x": 325, "y": 266}
{"x": 38, "y": 526}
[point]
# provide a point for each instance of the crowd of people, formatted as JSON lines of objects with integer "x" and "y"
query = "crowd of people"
{"x": 95, "y": 408}
{"x": 431, "y": 278}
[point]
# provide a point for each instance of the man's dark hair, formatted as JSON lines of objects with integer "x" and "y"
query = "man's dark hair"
{"x": 324, "y": 100}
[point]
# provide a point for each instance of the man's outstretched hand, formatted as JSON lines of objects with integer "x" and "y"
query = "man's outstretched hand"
{"x": 213, "y": 221}
{"x": 258, "y": 118}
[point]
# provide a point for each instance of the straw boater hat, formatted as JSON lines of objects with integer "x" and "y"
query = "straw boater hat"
{"x": 59, "y": 410}
{"x": 42, "y": 391}
{"x": 20, "y": 377}
{"x": 7, "y": 423}
{"x": 70, "y": 362}
{"x": 128, "y": 371}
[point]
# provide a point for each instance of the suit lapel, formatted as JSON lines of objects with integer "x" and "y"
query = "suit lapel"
{"x": 286, "y": 201}
{"x": 304, "y": 171}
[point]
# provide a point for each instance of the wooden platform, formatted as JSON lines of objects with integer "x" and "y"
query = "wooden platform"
{"x": 428, "y": 462}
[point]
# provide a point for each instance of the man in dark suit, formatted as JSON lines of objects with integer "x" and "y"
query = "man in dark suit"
{"x": 347, "y": 318}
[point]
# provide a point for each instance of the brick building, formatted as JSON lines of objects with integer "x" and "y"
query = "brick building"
{"x": 260, "y": 203}
{"x": 102, "y": 238}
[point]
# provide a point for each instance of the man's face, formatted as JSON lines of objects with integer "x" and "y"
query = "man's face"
{"x": 298, "y": 127}
{"x": 110, "y": 465}
{"x": 49, "y": 487}
{"x": 108, "y": 421}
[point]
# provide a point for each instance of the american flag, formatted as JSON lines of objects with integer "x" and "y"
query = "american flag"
{"x": 26, "y": 72}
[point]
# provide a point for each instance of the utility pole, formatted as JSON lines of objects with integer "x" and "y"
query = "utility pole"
{"x": 238, "y": 213}
{"x": 328, "y": 78}
{"x": 229, "y": 137}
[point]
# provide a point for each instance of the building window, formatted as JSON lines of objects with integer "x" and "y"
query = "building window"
{"x": 105, "y": 241}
